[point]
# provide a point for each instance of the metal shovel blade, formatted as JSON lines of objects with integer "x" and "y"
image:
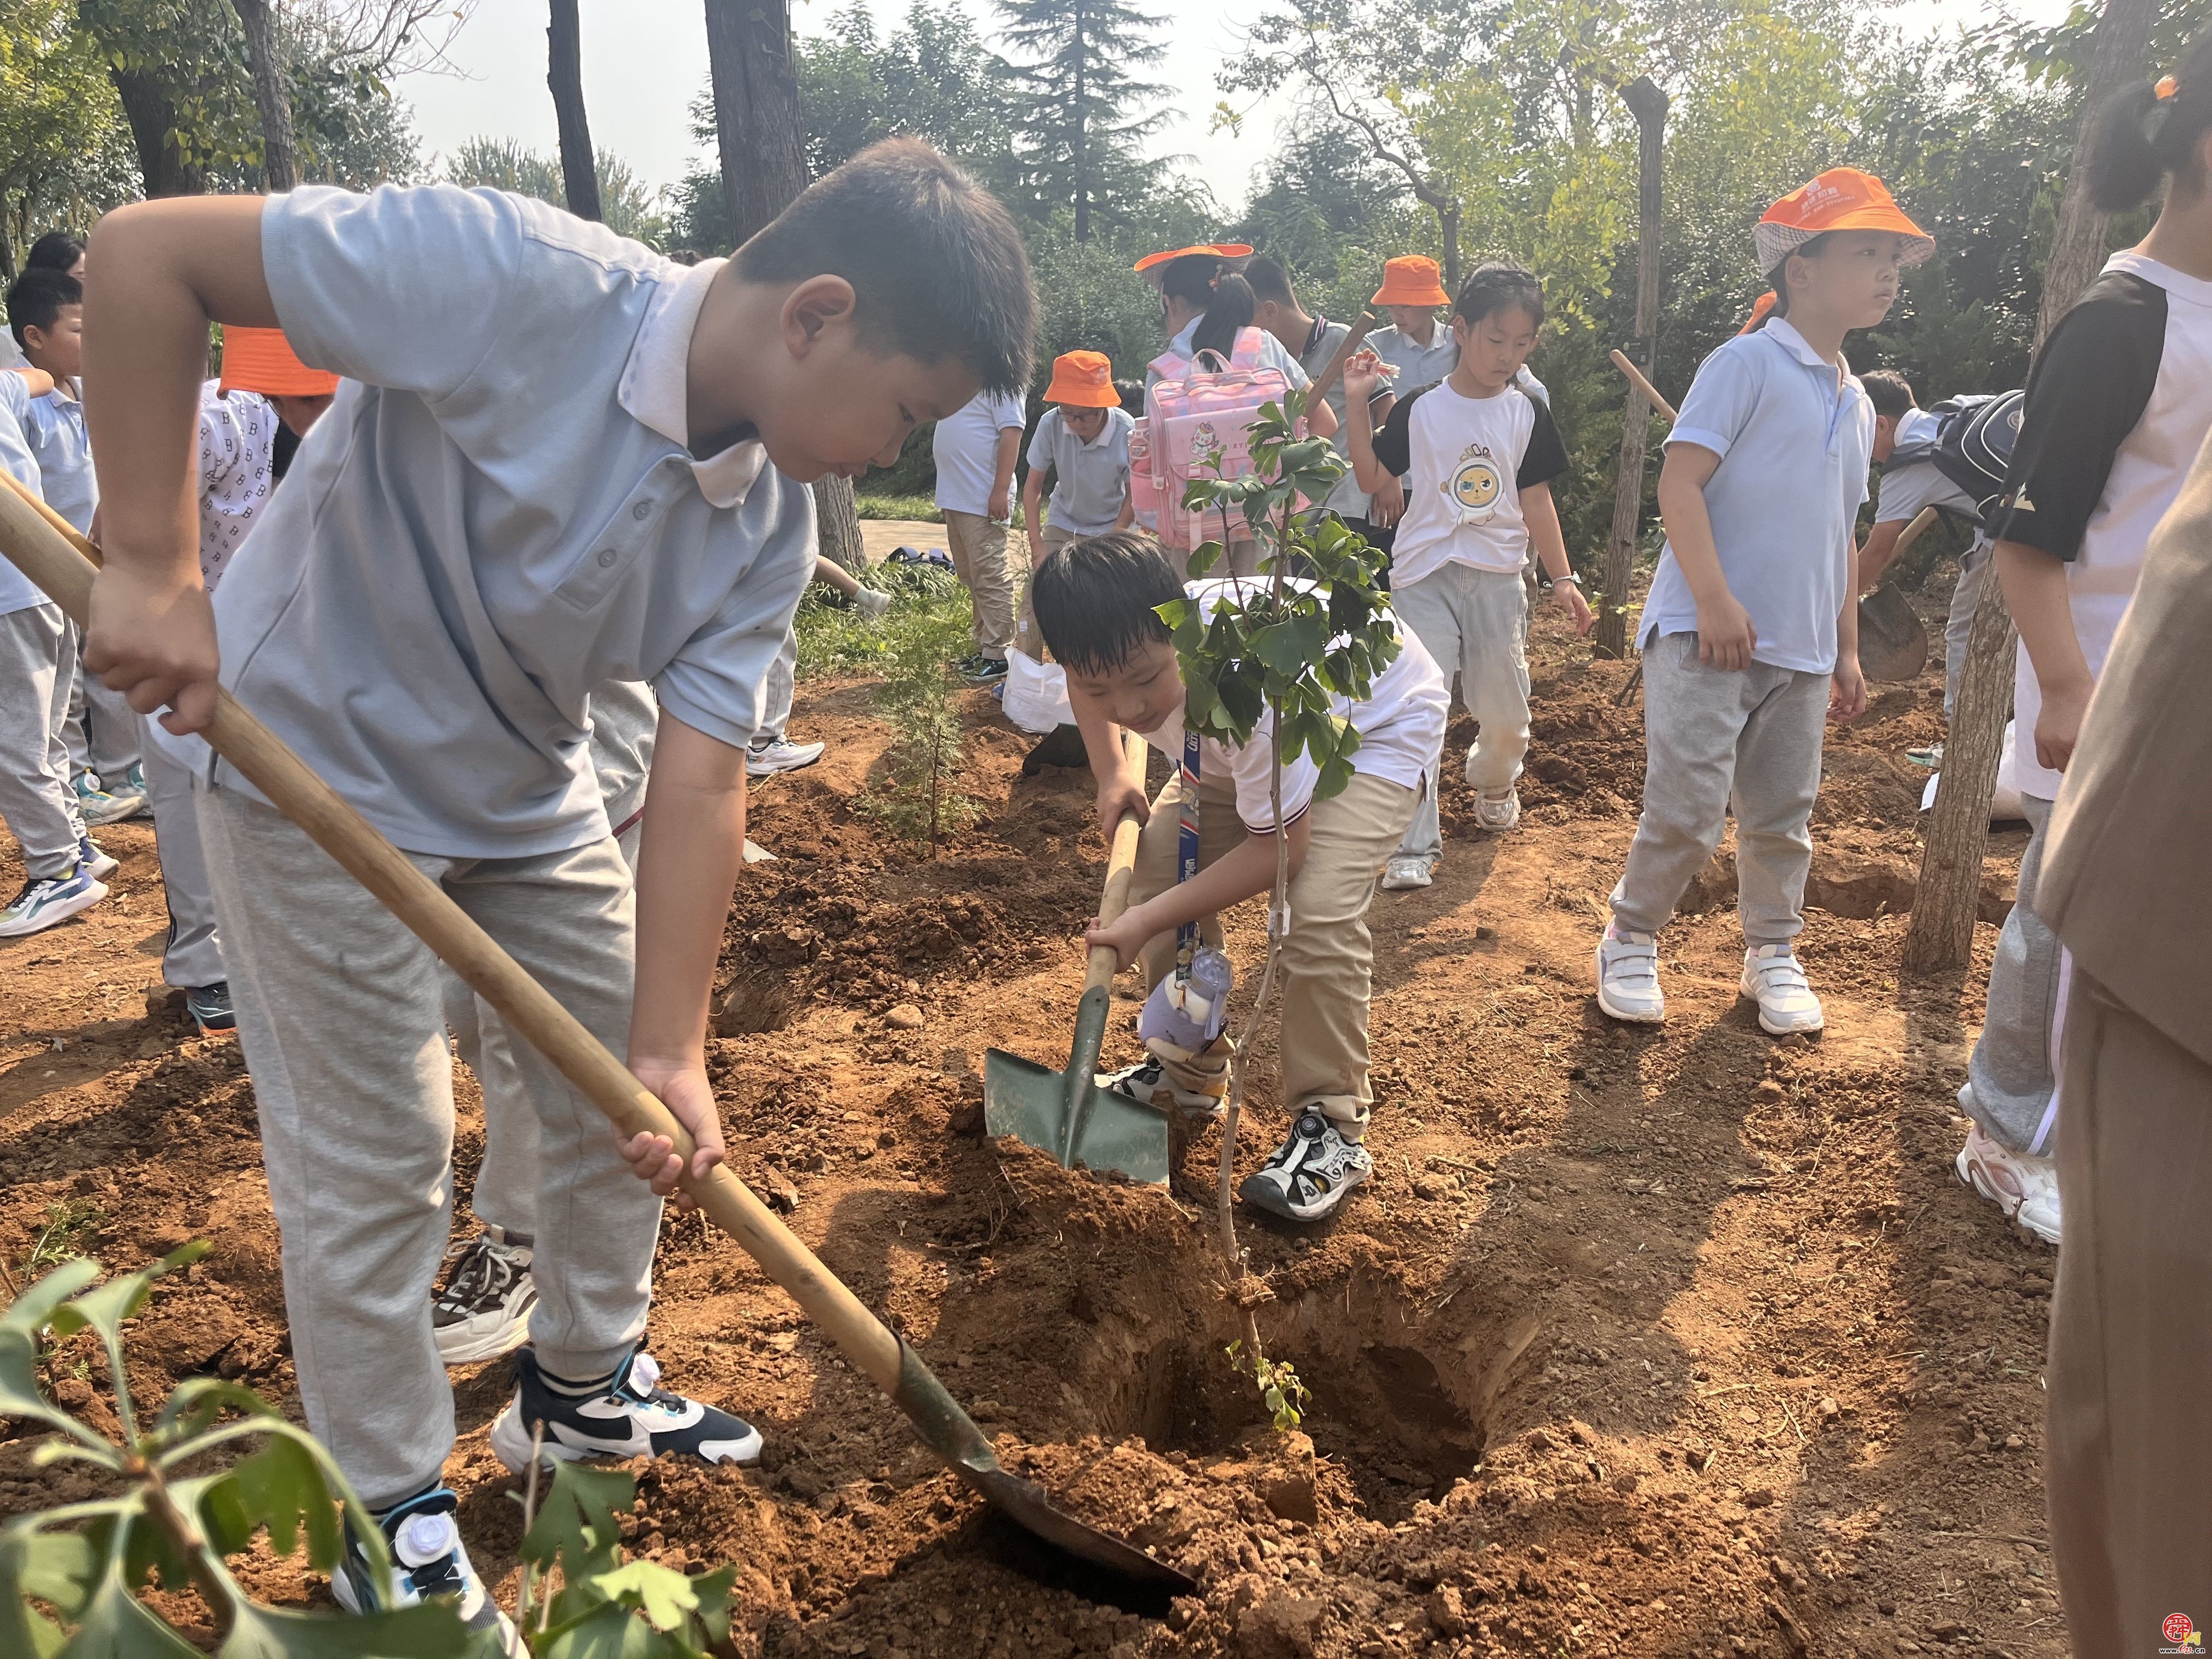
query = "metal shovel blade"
{"x": 1893, "y": 644}
{"x": 1067, "y": 1115}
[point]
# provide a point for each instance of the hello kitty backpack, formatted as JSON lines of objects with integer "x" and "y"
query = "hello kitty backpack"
{"x": 1197, "y": 424}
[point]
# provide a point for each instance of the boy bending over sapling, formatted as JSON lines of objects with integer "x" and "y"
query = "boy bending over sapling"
{"x": 1097, "y": 605}
{"x": 481, "y": 533}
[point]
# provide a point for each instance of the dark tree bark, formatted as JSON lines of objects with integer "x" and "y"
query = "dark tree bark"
{"x": 1941, "y": 934}
{"x": 279, "y": 163}
{"x": 1648, "y": 104}
{"x": 564, "y": 77}
{"x": 761, "y": 144}
{"x": 153, "y": 117}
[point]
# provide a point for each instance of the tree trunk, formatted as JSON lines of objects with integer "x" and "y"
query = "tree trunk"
{"x": 564, "y": 77}
{"x": 1447, "y": 230}
{"x": 279, "y": 165}
{"x": 1941, "y": 933}
{"x": 152, "y": 120}
{"x": 763, "y": 146}
{"x": 1648, "y": 106}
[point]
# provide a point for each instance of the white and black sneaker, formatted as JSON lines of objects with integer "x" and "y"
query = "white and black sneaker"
{"x": 1311, "y": 1172}
{"x": 625, "y": 1413}
{"x": 428, "y": 1559}
{"x": 484, "y": 1309}
{"x": 1147, "y": 1083}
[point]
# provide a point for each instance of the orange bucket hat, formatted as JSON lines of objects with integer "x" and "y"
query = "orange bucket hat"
{"x": 1413, "y": 279}
{"x": 1842, "y": 198}
{"x": 261, "y": 360}
{"x": 1218, "y": 250}
{"x": 1082, "y": 379}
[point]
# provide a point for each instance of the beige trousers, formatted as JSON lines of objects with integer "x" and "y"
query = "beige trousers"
{"x": 2127, "y": 1460}
{"x": 978, "y": 546}
{"x": 1329, "y": 958}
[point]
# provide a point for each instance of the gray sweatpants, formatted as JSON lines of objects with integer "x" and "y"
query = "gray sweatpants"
{"x": 193, "y": 955}
{"x": 2012, "y": 1082}
{"x": 505, "y": 1191}
{"x": 1476, "y": 621}
{"x": 103, "y": 730}
{"x": 1715, "y": 741}
{"x": 36, "y": 799}
{"x": 1973, "y": 566}
{"x": 339, "y": 1012}
{"x": 776, "y": 693}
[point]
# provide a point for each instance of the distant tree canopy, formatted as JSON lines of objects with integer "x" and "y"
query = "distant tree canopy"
{"x": 627, "y": 207}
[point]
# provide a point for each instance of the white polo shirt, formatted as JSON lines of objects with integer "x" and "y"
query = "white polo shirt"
{"x": 498, "y": 515}
{"x": 56, "y": 428}
{"x": 17, "y": 591}
{"x": 965, "y": 446}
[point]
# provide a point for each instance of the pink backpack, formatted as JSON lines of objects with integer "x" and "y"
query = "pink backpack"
{"x": 1195, "y": 409}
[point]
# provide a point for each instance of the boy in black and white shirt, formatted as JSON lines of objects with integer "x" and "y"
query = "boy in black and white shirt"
{"x": 1479, "y": 455}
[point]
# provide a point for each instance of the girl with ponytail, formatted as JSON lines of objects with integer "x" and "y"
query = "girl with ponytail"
{"x": 1207, "y": 305}
{"x": 2118, "y": 403}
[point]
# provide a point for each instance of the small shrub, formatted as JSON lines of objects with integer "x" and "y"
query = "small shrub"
{"x": 916, "y": 794}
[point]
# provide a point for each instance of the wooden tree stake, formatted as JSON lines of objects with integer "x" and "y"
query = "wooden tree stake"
{"x": 1648, "y": 104}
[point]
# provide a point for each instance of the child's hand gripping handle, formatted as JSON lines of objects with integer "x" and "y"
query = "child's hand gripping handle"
{"x": 1120, "y": 869}
{"x": 66, "y": 575}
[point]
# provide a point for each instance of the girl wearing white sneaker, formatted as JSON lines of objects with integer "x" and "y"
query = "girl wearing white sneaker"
{"x": 1750, "y": 635}
{"x": 2118, "y": 404}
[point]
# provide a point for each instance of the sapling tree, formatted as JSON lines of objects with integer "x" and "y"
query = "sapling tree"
{"x": 1313, "y": 627}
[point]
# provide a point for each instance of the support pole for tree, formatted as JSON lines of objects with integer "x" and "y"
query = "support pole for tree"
{"x": 564, "y": 78}
{"x": 761, "y": 142}
{"x": 279, "y": 167}
{"x": 1941, "y": 934}
{"x": 1648, "y": 104}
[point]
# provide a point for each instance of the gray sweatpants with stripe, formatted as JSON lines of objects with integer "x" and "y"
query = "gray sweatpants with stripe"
{"x": 340, "y": 1014}
{"x": 2012, "y": 1082}
{"x": 36, "y": 800}
{"x": 193, "y": 955}
{"x": 103, "y": 730}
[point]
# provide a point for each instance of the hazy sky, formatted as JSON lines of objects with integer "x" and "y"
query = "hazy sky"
{"x": 645, "y": 59}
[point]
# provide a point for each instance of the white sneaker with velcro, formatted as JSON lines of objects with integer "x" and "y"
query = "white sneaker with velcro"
{"x": 1628, "y": 977}
{"x": 1772, "y": 979}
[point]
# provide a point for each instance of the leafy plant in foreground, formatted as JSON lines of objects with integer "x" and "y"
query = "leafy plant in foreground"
{"x": 606, "y": 1606}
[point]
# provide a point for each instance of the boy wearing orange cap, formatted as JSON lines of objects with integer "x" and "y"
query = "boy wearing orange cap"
{"x": 1750, "y": 634}
{"x": 1083, "y": 442}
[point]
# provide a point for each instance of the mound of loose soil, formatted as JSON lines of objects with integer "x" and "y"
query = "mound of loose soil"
{"x": 1657, "y": 1342}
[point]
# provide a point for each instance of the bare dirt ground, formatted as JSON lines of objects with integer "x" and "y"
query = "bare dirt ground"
{"x": 1659, "y": 1342}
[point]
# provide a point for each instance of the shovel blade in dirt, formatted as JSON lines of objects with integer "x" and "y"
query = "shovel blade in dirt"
{"x": 1893, "y": 644}
{"x": 1066, "y": 1112}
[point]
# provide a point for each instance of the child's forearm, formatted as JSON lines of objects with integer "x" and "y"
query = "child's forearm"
{"x": 37, "y": 379}
{"x": 691, "y": 849}
{"x": 1847, "y": 619}
{"x": 1541, "y": 515}
{"x": 1127, "y": 516}
{"x": 1033, "y": 501}
{"x": 1690, "y": 532}
{"x": 2035, "y": 589}
{"x": 1880, "y": 548}
{"x": 1010, "y": 449}
{"x": 1360, "y": 444}
{"x": 1246, "y": 871}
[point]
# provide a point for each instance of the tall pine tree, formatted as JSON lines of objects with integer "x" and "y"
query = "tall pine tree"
{"x": 1079, "y": 113}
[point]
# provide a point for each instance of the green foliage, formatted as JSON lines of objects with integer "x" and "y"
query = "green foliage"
{"x": 69, "y": 1224}
{"x": 70, "y": 1576}
{"x": 1286, "y": 1398}
{"x": 916, "y": 792}
{"x": 626, "y": 206}
{"x": 606, "y": 1606}
{"x": 1276, "y": 648}
{"x": 1080, "y": 114}
{"x": 929, "y": 618}
{"x": 919, "y": 509}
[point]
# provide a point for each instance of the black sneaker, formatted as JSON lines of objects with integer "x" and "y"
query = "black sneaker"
{"x": 626, "y": 1414}
{"x": 428, "y": 1559}
{"x": 484, "y": 1309}
{"x": 210, "y": 1007}
{"x": 983, "y": 671}
{"x": 1311, "y": 1172}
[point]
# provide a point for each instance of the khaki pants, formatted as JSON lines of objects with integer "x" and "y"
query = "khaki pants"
{"x": 978, "y": 546}
{"x": 2127, "y": 1460}
{"x": 1329, "y": 957}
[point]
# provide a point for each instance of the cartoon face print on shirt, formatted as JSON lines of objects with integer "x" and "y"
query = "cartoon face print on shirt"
{"x": 1474, "y": 485}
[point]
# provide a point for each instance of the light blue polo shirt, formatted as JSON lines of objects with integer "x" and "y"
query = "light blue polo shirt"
{"x": 498, "y": 515}
{"x": 1090, "y": 481}
{"x": 56, "y": 429}
{"x": 17, "y": 591}
{"x": 1796, "y": 438}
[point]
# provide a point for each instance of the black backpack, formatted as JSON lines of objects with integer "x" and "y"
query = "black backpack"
{"x": 1975, "y": 449}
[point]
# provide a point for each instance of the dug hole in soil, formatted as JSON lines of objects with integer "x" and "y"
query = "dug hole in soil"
{"x": 1655, "y": 1341}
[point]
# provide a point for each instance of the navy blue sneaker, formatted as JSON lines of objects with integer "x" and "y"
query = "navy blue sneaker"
{"x": 625, "y": 1413}
{"x": 210, "y": 1007}
{"x": 93, "y": 861}
{"x": 428, "y": 1559}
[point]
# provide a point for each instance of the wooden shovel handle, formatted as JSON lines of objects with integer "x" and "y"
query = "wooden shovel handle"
{"x": 1102, "y": 964}
{"x": 1923, "y": 522}
{"x": 1620, "y": 361}
{"x": 1325, "y": 381}
{"x": 264, "y": 761}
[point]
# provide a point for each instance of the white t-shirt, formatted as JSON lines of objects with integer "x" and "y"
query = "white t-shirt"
{"x": 966, "y": 446}
{"x": 1465, "y": 461}
{"x": 1400, "y": 727}
{"x": 2118, "y": 404}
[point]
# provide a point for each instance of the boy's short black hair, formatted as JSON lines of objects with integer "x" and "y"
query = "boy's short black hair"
{"x": 1131, "y": 394}
{"x": 934, "y": 258}
{"x": 1096, "y": 599}
{"x": 36, "y": 298}
{"x": 55, "y": 251}
{"x": 1269, "y": 281}
{"x": 1889, "y": 391}
{"x": 1496, "y": 285}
